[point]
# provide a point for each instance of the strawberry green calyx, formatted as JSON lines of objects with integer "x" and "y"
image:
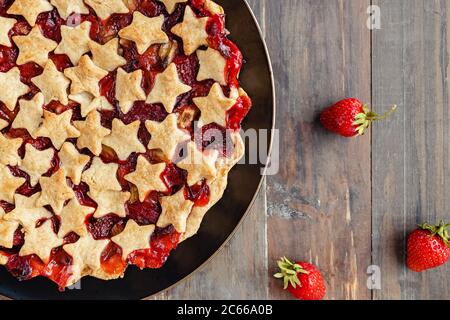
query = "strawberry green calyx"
{"x": 364, "y": 119}
{"x": 440, "y": 230}
{"x": 288, "y": 272}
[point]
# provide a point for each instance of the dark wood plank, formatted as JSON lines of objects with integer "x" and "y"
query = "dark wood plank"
{"x": 319, "y": 203}
{"x": 239, "y": 271}
{"x": 411, "y": 173}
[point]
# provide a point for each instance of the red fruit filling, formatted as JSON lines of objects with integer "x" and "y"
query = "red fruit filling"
{"x": 151, "y": 63}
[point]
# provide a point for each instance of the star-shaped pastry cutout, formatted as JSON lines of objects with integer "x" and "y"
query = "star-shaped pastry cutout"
{"x": 11, "y": 88}
{"x": 124, "y": 139}
{"x": 55, "y": 191}
{"x": 40, "y": 241}
{"x": 36, "y": 162}
{"x": 105, "y": 8}
{"x": 30, "y": 9}
{"x": 58, "y": 128}
{"x": 27, "y": 212}
{"x": 153, "y": 31}
{"x": 3, "y": 124}
{"x": 34, "y": 47}
{"x": 53, "y": 84}
{"x": 72, "y": 162}
{"x": 175, "y": 211}
{"x": 9, "y": 184}
{"x": 167, "y": 88}
{"x": 75, "y": 41}
{"x": 214, "y": 107}
{"x": 199, "y": 165}
{"x": 107, "y": 56}
{"x": 110, "y": 202}
{"x": 133, "y": 237}
{"x": 171, "y": 4}
{"x": 214, "y": 8}
{"x": 212, "y": 66}
{"x": 129, "y": 89}
{"x": 88, "y": 103}
{"x": 30, "y": 114}
{"x": 192, "y": 30}
{"x": 84, "y": 99}
{"x": 73, "y": 218}
{"x": 6, "y": 25}
{"x": 85, "y": 77}
{"x": 7, "y": 230}
{"x": 101, "y": 176}
{"x": 147, "y": 177}
{"x": 166, "y": 135}
{"x": 67, "y": 7}
{"x": 91, "y": 133}
{"x": 8, "y": 150}
{"x": 86, "y": 253}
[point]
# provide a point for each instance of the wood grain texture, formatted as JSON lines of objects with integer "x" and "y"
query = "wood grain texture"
{"x": 319, "y": 203}
{"x": 411, "y": 172}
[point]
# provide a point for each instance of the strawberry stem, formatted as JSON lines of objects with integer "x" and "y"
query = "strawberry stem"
{"x": 385, "y": 115}
{"x": 440, "y": 230}
{"x": 288, "y": 272}
{"x": 364, "y": 120}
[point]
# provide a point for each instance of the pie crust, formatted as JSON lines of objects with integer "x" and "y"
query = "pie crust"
{"x": 29, "y": 9}
{"x": 52, "y": 84}
{"x": 167, "y": 88}
{"x": 6, "y": 25}
{"x": 67, "y": 7}
{"x": 153, "y": 31}
{"x": 30, "y": 114}
{"x": 11, "y": 88}
{"x": 36, "y": 162}
{"x": 27, "y": 212}
{"x": 192, "y": 30}
{"x": 101, "y": 103}
{"x": 171, "y": 4}
{"x": 75, "y": 41}
{"x": 34, "y": 47}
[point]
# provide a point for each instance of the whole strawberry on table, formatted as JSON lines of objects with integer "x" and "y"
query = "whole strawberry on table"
{"x": 428, "y": 247}
{"x": 303, "y": 280}
{"x": 350, "y": 117}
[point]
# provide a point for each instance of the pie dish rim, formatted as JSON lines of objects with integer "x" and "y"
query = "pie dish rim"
{"x": 272, "y": 127}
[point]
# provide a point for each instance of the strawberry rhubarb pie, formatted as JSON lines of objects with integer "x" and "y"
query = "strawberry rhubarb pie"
{"x": 119, "y": 125}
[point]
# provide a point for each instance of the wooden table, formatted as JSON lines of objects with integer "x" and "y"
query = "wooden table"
{"x": 347, "y": 204}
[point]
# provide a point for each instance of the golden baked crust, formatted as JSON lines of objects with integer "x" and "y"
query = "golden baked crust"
{"x": 6, "y": 25}
{"x": 53, "y": 84}
{"x": 167, "y": 88}
{"x": 192, "y": 30}
{"x": 67, "y": 7}
{"x": 106, "y": 129}
{"x": 105, "y": 8}
{"x": 34, "y": 47}
{"x": 11, "y": 87}
{"x": 29, "y": 9}
{"x": 153, "y": 31}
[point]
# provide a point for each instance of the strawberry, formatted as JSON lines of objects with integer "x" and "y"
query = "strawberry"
{"x": 302, "y": 279}
{"x": 428, "y": 247}
{"x": 350, "y": 117}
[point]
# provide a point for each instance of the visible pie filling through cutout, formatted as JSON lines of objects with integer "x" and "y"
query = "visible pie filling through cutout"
{"x": 133, "y": 117}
